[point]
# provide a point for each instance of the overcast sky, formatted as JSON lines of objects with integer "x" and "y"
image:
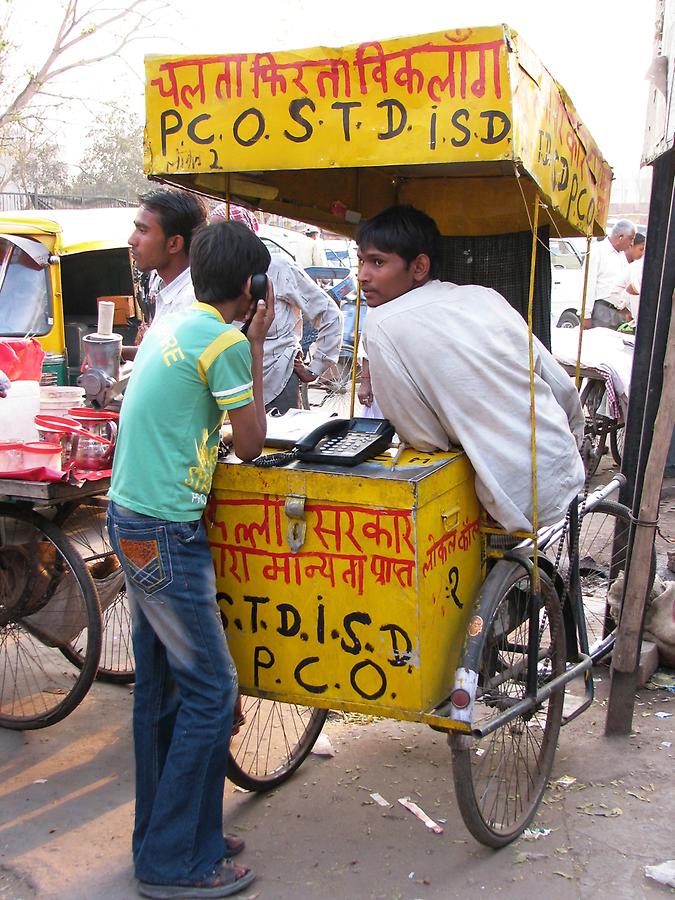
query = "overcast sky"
{"x": 599, "y": 51}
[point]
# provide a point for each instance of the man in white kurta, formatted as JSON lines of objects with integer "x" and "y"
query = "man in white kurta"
{"x": 295, "y": 296}
{"x": 607, "y": 276}
{"x": 449, "y": 367}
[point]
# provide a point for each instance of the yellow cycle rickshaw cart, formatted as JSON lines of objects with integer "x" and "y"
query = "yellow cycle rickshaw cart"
{"x": 374, "y": 589}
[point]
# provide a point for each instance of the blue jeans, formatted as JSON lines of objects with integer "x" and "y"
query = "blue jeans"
{"x": 186, "y": 686}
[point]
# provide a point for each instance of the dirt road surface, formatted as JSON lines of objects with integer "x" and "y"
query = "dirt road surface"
{"x": 66, "y": 809}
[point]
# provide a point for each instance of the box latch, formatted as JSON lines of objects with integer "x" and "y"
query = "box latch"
{"x": 294, "y": 507}
{"x": 450, "y": 518}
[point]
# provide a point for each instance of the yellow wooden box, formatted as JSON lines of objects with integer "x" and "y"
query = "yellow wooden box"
{"x": 348, "y": 588}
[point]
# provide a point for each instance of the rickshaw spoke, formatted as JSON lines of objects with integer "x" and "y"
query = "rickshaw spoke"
{"x": 272, "y": 742}
{"x": 85, "y": 525}
{"x": 599, "y": 566}
{"x": 499, "y": 780}
{"x": 46, "y": 598}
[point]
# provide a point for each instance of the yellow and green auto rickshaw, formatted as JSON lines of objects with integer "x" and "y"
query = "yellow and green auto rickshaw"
{"x": 54, "y": 265}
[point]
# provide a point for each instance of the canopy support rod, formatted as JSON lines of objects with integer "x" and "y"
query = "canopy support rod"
{"x": 533, "y": 433}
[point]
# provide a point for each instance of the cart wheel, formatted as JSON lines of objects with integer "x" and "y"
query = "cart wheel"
{"x": 84, "y": 523}
{"x": 337, "y": 384}
{"x": 595, "y": 431}
{"x": 47, "y": 599}
{"x": 616, "y": 438}
{"x": 599, "y": 566}
{"x": 500, "y": 778}
{"x": 273, "y": 740}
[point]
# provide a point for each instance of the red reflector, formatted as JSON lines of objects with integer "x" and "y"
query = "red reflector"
{"x": 460, "y": 698}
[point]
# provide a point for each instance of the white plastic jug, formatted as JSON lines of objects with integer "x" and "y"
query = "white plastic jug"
{"x": 18, "y": 411}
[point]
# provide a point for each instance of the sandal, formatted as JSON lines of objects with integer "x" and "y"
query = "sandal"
{"x": 228, "y": 879}
{"x": 233, "y": 845}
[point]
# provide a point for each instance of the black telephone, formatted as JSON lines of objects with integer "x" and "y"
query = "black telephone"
{"x": 258, "y": 292}
{"x": 345, "y": 442}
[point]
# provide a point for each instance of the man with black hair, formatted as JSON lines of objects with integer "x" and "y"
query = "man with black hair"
{"x": 450, "y": 366}
{"x": 191, "y": 368}
{"x": 164, "y": 225}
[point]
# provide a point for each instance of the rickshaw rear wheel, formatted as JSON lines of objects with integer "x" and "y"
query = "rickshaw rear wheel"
{"x": 601, "y": 562}
{"x": 46, "y": 596}
{"x": 500, "y": 778}
{"x": 272, "y": 741}
{"x": 84, "y": 523}
{"x": 595, "y": 431}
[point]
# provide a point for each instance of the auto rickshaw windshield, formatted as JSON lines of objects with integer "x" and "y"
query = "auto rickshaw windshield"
{"x": 25, "y": 307}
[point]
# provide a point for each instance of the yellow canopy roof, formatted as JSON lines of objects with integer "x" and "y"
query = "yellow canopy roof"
{"x": 68, "y": 231}
{"x": 466, "y": 124}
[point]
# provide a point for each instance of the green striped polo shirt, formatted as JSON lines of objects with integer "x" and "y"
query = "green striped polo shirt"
{"x": 189, "y": 370}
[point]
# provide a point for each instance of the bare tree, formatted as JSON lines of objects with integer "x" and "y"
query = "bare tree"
{"x": 112, "y": 158}
{"x": 38, "y": 166}
{"x": 89, "y": 32}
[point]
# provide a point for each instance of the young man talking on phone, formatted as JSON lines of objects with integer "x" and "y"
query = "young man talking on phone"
{"x": 191, "y": 368}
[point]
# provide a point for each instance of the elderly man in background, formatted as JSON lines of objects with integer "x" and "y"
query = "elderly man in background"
{"x": 607, "y": 277}
{"x": 635, "y": 255}
{"x": 295, "y": 295}
{"x": 311, "y": 251}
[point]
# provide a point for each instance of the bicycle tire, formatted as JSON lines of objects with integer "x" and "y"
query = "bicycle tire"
{"x": 84, "y": 523}
{"x": 599, "y": 567}
{"x": 272, "y": 742}
{"x": 595, "y": 430}
{"x": 500, "y": 778}
{"x": 616, "y": 439}
{"x": 45, "y": 592}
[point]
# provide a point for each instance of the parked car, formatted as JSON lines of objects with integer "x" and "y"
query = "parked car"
{"x": 567, "y": 287}
{"x": 568, "y": 253}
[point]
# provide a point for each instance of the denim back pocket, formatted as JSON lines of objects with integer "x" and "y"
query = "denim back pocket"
{"x": 145, "y": 556}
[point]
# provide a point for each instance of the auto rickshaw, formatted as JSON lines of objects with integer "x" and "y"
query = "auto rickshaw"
{"x": 381, "y": 588}
{"x": 54, "y": 265}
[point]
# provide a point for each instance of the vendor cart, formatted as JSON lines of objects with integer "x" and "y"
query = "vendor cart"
{"x": 383, "y": 588}
{"x": 64, "y": 618}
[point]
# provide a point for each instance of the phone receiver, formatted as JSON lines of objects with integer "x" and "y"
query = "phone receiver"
{"x": 258, "y": 292}
{"x": 345, "y": 442}
{"x": 259, "y": 287}
{"x": 306, "y": 444}
{"x": 337, "y": 442}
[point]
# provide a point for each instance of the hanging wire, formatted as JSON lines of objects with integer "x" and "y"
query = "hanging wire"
{"x": 533, "y": 430}
{"x": 527, "y": 208}
{"x": 586, "y": 268}
{"x": 587, "y": 263}
{"x": 357, "y": 321}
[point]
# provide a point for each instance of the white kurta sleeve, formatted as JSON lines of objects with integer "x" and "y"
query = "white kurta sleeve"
{"x": 297, "y": 289}
{"x": 563, "y": 389}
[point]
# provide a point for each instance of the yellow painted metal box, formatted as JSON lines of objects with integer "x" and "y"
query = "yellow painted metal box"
{"x": 348, "y": 588}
